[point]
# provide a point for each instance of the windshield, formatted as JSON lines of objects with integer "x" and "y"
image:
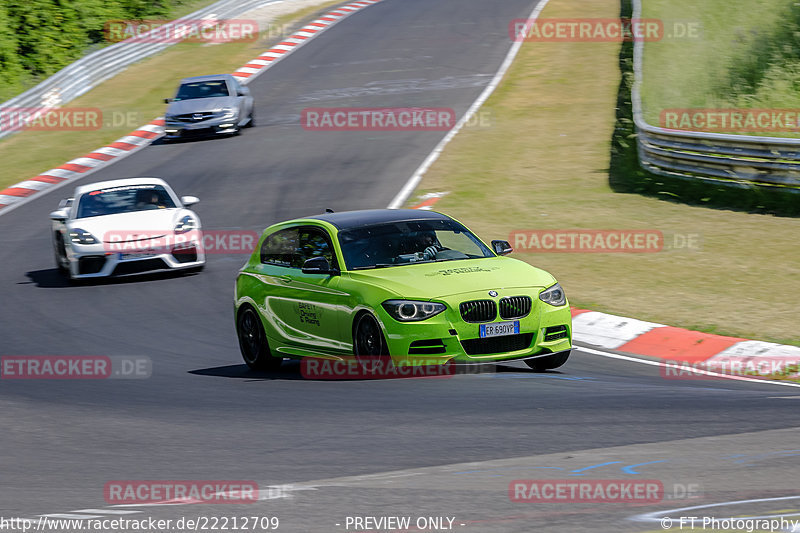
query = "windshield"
{"x": 124, "y": 199}
{"x": 202, "y": 89}
{"x": 402, "y": 243}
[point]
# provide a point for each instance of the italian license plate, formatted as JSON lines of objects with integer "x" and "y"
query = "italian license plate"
{"x": 498, "y": 329}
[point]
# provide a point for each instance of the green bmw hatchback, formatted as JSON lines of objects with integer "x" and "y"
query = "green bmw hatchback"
{"x": 416, "y": 286}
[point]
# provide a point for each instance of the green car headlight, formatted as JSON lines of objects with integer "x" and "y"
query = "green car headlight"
{"x": 412, "y": 311}
{"x": 554, "y": 296}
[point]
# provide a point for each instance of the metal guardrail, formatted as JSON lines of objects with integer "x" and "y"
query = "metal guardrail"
{"x": 81, "y": 76}
{"x": 736, "y": 160}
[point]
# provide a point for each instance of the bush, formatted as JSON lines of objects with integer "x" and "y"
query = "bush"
{"x": 40, "y": 37}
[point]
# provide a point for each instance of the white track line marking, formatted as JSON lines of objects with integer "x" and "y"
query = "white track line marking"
{"x": 415, "y": 178}
{"x": 657, "y": 515}
{"x": 697, "y": 371}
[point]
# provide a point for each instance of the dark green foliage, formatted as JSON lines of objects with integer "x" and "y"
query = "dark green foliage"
{"x": 775, "y": 47}
{"x": 10, "y": 67}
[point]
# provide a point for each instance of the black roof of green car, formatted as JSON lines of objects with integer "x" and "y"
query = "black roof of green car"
{"x": 357, "y": 219}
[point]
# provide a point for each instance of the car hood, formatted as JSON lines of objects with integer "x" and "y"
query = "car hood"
{"x": 151, "y": 223}
{"x": 200, "y": 105}
{"x": 437, "y": 280}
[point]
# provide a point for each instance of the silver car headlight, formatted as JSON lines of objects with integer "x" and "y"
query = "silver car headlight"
{"x": 81, "y": 236}
{"x": 412, "y": 311}
{"x": 554, "y": 296}
{"x": 228, "y": 112}
{"x": 185, "y": 224}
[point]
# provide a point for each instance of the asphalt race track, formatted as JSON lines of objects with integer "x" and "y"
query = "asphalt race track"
{"x": 347, "y": 448}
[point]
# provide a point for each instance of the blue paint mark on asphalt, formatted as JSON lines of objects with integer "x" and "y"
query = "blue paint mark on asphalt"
{"x": 755, "y": 458}
{"x": 630, "y": 469}
{"x": 580, "y": 471}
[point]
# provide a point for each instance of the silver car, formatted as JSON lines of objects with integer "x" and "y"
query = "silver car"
{"x": 208, "y": 105}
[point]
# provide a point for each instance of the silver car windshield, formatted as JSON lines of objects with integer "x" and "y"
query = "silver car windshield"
{"x": 124, "y": 199}
{"x": 403, "y": 243}
{"x": 202, "y": 89}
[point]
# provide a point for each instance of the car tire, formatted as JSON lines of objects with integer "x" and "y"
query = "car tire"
{"x": 252, "y": 121}
{"x": 369, "y": 345}
{"x": 253, "y": 341}
{"x": 540, "y": 364}
{"x": 60, "y": 252}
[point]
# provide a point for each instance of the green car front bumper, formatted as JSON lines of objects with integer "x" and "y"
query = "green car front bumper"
{"x": 447, "y": 337}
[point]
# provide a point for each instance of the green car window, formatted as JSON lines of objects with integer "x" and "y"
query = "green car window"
{"x": 280, "y": 247}
{"x": 413, "y": 241}
{"x": 313, "y": 243}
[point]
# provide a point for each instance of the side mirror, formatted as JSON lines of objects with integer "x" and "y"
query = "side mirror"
{"x": 189, "y": 201}
{"x": 243, "y": 91}
{"x": 66, "y": 202}
{"x": 317, "y": 265}
{"x": 502, "y": 247}
{"x": 59, "y": 215}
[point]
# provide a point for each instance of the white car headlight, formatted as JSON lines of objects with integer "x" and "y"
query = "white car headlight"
{"x": 185, "y": 224}
{"x": 412, "y": 311}
{"x": 554, "y": 296}
{"x": 224, "y": 112}
{"x": 80, "y": 236}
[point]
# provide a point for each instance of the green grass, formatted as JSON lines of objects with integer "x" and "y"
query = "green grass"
{"x": 745, "y": 55}
{"x": 137, "y": 92}
{"x": 544, "y": 164}
{"x": 626, "y": 175}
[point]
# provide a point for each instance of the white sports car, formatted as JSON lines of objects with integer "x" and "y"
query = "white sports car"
{"x": 126, "y": 226}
